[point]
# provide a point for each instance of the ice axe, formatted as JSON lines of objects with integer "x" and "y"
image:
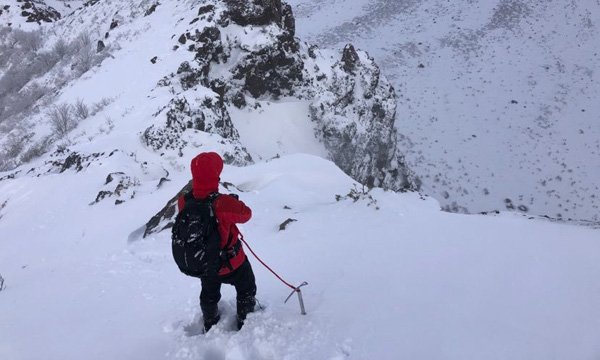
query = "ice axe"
{"x": 299, "y": 292}
{"x": 294, "y": 289}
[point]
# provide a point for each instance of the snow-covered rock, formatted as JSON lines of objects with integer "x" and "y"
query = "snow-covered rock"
{"x": 29, "y": 11}
{"x": 352, "y": 105}
{"x": 244, "y": 55}
{"x": 355, "y": 113}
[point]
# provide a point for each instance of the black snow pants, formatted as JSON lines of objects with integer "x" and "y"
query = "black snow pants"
{"x": 245, "y": 285}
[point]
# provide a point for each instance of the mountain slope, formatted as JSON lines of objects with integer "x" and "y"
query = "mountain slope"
{"x": 174, "y": 71}
{"x": 496, "y": 98}
{"x": 389, "y": 275}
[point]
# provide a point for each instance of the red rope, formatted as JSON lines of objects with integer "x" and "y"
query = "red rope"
{"x": 267, "y": 266}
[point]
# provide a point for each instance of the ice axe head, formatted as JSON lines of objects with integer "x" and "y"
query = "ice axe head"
{"x": 299, "y": 292}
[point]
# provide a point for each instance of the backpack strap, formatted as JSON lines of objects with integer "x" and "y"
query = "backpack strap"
{"x": 188, "y": 196}
{"x": 228, "y": 251}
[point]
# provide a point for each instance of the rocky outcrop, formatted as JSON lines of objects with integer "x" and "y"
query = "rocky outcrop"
{"x": 274, "y": 71}
{"x": 355, "y": 114}
{"x": 37, "y": 11}
{"x": 352, "y": 105}
{"x": 119, "y": 187}
{"x": 260, "y": 12}
{"x": 90, "y": 3}
{"x": 206, "y": 114}
{"x": 165, "y": 218}
{"x": 253, "y": 12}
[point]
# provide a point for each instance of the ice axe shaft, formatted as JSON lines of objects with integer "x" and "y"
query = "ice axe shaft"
{"x": 300, "y": 300}
{"x": 296, "y": 289}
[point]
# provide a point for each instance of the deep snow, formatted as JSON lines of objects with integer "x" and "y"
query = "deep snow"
{"x": 389, "y": 278}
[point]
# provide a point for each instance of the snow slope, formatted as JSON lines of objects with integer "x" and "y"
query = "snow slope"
{"x": 497, "y": 99}
{"x": 390, "y": 276}
{"x": 172, "y": 70}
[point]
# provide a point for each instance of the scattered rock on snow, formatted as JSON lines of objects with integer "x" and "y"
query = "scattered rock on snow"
{"x": 284, "y": 224}
{"x": 38, "y": 12}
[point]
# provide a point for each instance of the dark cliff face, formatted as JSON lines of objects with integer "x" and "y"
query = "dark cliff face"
{"x": 260, "y": 12}
{"x": 274, "y": 71}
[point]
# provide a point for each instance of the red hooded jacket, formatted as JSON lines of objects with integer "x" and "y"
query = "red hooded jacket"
{"x": 206, "y": 169}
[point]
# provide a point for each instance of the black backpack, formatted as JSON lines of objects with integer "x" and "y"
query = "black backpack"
{"x": 196, "y": 241}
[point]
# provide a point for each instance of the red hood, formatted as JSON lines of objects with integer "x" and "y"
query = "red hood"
{"x": 206, "y": 170}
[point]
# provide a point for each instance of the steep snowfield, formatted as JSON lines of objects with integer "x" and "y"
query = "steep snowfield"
{"x": 497, "y": 98}
{"x": 392, "y": 277}
{"x": 283, "y": 127}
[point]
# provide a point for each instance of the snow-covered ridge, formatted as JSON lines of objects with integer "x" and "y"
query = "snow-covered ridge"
{"x": 208, "y": 66}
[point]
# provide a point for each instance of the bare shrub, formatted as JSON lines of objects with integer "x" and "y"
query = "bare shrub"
{"x": 4, "y": 32}
{"x": 13, "y": 146}
{"x": 13, "y": 80}
{"x": 110, "y": 123}
{"x": 29, "y": 41}
{"x": 6, "y": 163}
{"x": 22, "y": 101}
{"x": 84, "y": 60}
{"x": 34, "y": 92}
{"x": 100, "y": 105}
{"x": 37, "y": 149}
{"x": 61, "y": 120}
{"x": 84, "y": 40}
{"x": 11, "y": 40}
{"x": 5, "y": 54}
{"x": 46, "y": 61}
{"x": 60, "y": 49}
{"x": 81, "y": 110}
